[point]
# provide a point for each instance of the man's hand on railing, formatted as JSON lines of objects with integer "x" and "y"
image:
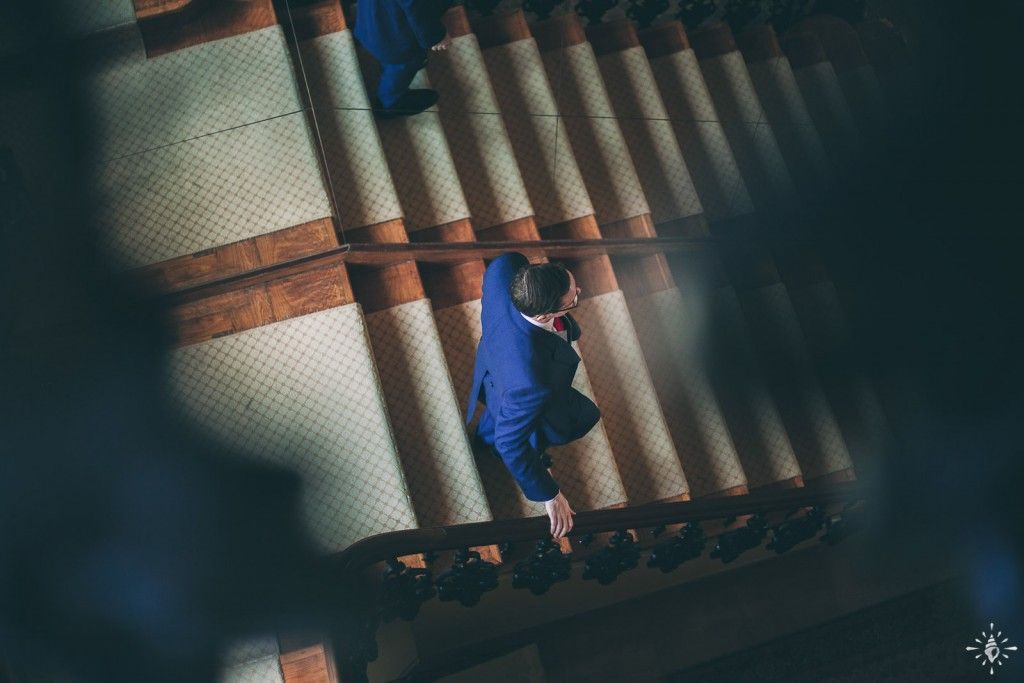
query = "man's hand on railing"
{"x": 560, "y": 514}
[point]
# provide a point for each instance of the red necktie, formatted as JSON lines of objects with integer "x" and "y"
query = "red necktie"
{"x": 558, "y": 324}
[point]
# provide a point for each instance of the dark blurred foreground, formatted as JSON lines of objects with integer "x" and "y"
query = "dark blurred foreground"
{"x": 130, "y": 550}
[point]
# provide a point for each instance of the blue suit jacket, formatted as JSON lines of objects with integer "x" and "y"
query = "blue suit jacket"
{"x": 523, "y": 375}
{"x": 399, "y": 31}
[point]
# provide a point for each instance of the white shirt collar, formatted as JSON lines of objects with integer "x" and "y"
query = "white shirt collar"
{"x": 549, "y": 325}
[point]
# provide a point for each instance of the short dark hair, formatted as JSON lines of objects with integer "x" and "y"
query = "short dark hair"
{"x": 538, "y": 289}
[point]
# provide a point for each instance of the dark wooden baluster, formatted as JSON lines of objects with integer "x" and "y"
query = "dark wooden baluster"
{"x": 545, "y": 567}
{"x": 594, "y": 10}
{"x": 644, "y": 12}
{"x": 541, "y": 8}
{"x": 732, "y": 544}
{"x": 467, "y": 579}
{"x": 484, "y": 8}
{"x": 620, "y": 555}
{"x": 848, "y": 522}
{"x": 788, "y": 534}
{"x": 741, "y": 14}
{"x": 404, "y": 589}
{"x": 687, "y": 544}
{"x": 693, "y": 13}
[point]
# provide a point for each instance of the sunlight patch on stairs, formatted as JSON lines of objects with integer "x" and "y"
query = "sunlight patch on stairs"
{"x": 477, "y": 136}
{"x": 754, "y": 421}
{"x": 647, "y": 460}
{"x": 201, "y": 147}
{"x": 436, "y": 458}
{"x": 304, "y": 393}
{"x": 666, "y": 327}
{"x": 359, "y": 174}
{"x": 597, "y": 142}
{"x": 809, "y": 419}
{"x": 688, "y": 104}
{"x": 539, "y": 138}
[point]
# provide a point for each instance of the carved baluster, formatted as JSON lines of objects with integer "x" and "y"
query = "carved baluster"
{"x": 688, "y": 544}
{"x": 621, "y": 554}
{"x": 741, "y": 14}
{"x": 695, "y": 12}
{"x": 541, "y": 8}
{"x": 644, "y": 12}
{"x": 846, "y": 523}
{"x": 594, "y": 10}
{"x": 788, "y": 534}
{"x": 403, "y": 590}
{"x": 467, "y": 579}
{"x": 732, "y": 544}
{"x": 484, "y": 8}
{"x": 548, "y": 565}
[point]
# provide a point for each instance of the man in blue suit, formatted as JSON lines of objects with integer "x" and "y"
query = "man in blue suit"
{"x": 524, "y": 369}
{"x": 399, "y": 34}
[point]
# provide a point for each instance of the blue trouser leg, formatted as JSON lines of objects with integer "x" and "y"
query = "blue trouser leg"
{"x": 395, "y": 80}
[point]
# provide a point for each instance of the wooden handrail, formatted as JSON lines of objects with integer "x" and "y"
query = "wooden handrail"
{"x": 430, "y": 252}
{"x": 386, "y": 546}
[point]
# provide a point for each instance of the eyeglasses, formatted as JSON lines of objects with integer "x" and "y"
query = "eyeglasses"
{"x": 574, "y": 304}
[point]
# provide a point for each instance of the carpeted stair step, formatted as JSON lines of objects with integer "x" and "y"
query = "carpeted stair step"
{"x": 764, "y": 168}
{"x": 425, "y": 414}
{"x": 666, "y": 326}
{"x": 856, "y": 75}
{"x": 304, "y": 393}
{"x": 813, "y": 294}
{"x": 646, "y": 458}
{"x": 787, "y": 114}
{"x": 201, "y": 147}
{"x": 826, "y": 103}
{"x": 744, "y": 121}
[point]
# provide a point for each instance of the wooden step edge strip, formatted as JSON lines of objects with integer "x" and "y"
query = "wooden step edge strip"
{"x": 594, "y": 274}
{"x": 315, "y": 19}
{"x": 759, "y": 44}
{"x": 713, "y": 41}
{"x": 612, "y": 36}
{"x": 501, "y": 29}
{"x": 643, "y": 275}
{"x": 209, "y": 21}
{"x": 381, "y": 287}
{"x": 211, "y": 265}
{"x": 309, "y": 660}
{"x": 152, "y": 9}
{"x": 451, "y": 284}
{"x": 838, "y": 38}
{"x": 238, "y": 310}
{"x": 803, "y": 49}
{"x": 457, "y": 21}
{"x": 666, "y": 39}
{"x": 559, "y": 32}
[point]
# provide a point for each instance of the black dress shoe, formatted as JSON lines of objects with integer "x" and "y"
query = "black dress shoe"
{"x": 409, "y": 104}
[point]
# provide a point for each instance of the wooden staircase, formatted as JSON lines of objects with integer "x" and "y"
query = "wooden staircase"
{"x": 234, "y": 144}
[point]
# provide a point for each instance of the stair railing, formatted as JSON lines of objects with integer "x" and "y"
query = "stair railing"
{"x": 830, "y": 512}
